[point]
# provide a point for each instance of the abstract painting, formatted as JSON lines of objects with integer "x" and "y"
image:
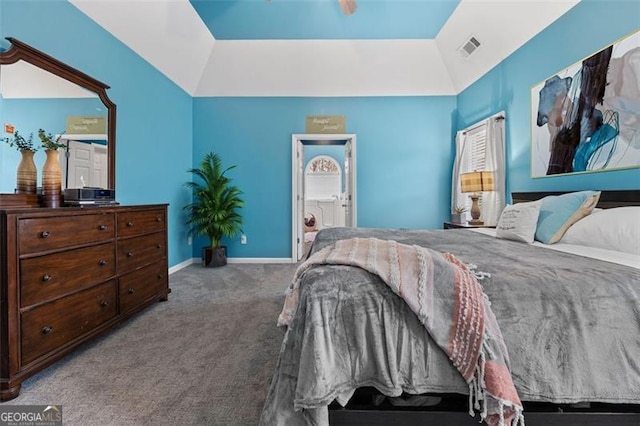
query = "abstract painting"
{"x": 586, "y": 118}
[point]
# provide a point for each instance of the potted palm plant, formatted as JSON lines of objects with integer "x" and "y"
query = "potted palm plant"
{"x": 214, "y": 210}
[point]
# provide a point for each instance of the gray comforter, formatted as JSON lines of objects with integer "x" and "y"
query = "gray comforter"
{"x": 571, "y": 325}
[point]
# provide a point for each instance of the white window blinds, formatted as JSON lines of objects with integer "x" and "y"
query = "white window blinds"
{"x": 476, "y": 150}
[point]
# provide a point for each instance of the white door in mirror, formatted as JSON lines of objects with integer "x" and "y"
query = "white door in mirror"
{"x": 86, "y": 165}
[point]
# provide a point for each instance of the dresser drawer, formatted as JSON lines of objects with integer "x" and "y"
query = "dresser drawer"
{"x": 142, "y": 284}
{"x": 139, "y": 251}
{"x": 47, "y": 277}
{"x": 140, "y": 222}
{"x": 54, "y": 324}
{"x": 42, "y": 234}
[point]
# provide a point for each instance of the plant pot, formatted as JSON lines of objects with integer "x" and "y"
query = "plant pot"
{"x": 214, "y": 257}
{"x": 52, "y": 180}
{"x": 456, "y": 218}
{"x": 27, "y": 174}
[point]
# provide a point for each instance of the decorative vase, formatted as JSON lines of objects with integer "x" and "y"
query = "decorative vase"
{"x": 51, "y": 180}
{"x": 27, "y": 174}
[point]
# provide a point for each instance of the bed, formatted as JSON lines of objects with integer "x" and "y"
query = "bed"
{"x": 355, "y": 353}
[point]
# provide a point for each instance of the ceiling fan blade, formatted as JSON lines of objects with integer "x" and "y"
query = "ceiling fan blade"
{"x": 348, "y": 6}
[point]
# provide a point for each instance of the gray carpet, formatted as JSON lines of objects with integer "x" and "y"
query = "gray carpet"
{"x": 205, "y": 357}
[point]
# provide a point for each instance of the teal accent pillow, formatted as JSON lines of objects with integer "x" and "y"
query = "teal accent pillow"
{"x": 558, "y": 213}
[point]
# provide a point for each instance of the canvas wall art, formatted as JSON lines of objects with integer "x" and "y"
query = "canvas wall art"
{"x": 586, "y": 118}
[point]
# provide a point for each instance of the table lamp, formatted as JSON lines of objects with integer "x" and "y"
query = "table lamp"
{"x": 476, "y": 182}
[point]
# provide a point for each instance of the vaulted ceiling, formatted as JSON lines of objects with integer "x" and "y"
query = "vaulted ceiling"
{"x": 323, "y": 19}
{"x": 311, "y": 48}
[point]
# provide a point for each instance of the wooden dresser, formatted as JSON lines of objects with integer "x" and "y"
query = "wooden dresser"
{"x": 68, "y": 275}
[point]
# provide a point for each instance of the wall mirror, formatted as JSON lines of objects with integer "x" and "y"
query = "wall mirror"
{"x": 39, "y": 91}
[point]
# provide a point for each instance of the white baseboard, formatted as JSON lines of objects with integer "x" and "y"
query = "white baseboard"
{"x": 193, "y": 260}
{"x": 183, "y": 265}
{"x": 259, "y": 260}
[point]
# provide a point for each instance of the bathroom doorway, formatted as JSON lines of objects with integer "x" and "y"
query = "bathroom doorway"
{"x": 323, "y": 186}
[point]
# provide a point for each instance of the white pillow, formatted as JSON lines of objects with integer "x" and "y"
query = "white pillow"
{"x": 518, "y": 222}
{"x": 612, "y": 229}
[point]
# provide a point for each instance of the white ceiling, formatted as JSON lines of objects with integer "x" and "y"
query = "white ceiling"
{"x": 171, "y": 36}
{"x": 21, "y": 80}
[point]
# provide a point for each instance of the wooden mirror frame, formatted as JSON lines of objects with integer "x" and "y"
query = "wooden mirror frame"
{"x": 22, "y": 51}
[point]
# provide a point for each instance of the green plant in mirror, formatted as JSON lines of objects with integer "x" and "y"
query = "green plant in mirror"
{"x": 20, "y": 142}
{"x": 214, "y": 210}
{"x": 49, "y": 141}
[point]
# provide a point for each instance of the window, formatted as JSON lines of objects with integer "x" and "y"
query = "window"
{"x": 475, "y": 157}
{"x": 323, "y": 178}
{"x": 481, "y": 147}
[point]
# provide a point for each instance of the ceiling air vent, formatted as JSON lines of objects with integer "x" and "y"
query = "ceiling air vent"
{"x": 469, "y": 47}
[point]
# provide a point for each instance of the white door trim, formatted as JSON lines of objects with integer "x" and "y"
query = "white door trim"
{"x": 301, "y": 139}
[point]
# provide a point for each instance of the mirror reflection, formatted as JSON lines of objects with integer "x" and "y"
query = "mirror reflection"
{"x": 32, "y": 98}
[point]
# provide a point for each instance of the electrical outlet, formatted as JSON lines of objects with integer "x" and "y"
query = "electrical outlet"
{"x": 189, "y": 240}
{"x": 243, "y": 239}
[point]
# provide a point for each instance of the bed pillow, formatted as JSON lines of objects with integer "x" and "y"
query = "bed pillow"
{"x": 518, "y": 222}
{"x": 612, "y": 229}
{"x": 559, "y": 212}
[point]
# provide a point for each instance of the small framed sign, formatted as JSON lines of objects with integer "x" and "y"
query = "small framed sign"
{"x": 326, "y": 124}
{"x": 87, "y": 125}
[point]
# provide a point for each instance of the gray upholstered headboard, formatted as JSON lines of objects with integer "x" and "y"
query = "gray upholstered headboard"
{"x": 608, "y": 199}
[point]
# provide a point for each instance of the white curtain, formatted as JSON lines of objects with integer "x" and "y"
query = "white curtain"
{"x": 457, "y": 197}
{"x": 481, "y": 147}
{"x": 494, "y": 202}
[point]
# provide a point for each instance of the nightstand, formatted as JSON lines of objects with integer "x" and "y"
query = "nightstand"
{"x": 452, "y": 225}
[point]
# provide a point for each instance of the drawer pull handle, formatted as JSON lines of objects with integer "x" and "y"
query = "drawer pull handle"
{"x": 129, "y": 224}
{"x": 131, "y": 290}
{"x": 160, "y": 276}
{"x": 104, "y": 303}
{"x": 44, "y": 234}
{"x": 102, "y": 262}
{"x": 47, "y": 330}
{"x": 158, "y": 245}
{"x": 158, "y": 219}
{"x": 129, "y": 254}
{"x": 102, "y": 227}
{"x": 46, "y": 278}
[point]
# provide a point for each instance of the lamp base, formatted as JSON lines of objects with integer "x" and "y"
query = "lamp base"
{"x": 475, "y": 210}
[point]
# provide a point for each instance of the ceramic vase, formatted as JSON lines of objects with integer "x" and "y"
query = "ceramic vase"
{"x": 51, "y": 180}
{"x": 27, "y": 174}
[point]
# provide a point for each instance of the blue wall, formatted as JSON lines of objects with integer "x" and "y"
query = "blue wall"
{"x": 404, "y": 143}
{"x": 403, "y": 160}
{"x": 588, "y": 27}
{"x": 28, "y": 115}
{"x": 154, "y": 127}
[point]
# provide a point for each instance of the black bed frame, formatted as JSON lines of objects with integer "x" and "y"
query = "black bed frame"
{"x": 453, "y": 410}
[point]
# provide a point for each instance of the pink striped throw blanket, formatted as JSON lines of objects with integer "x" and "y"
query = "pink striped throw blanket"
{"x": 447, "y": 298}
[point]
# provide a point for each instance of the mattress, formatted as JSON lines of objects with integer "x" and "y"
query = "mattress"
{"x": 571, "y": 324}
